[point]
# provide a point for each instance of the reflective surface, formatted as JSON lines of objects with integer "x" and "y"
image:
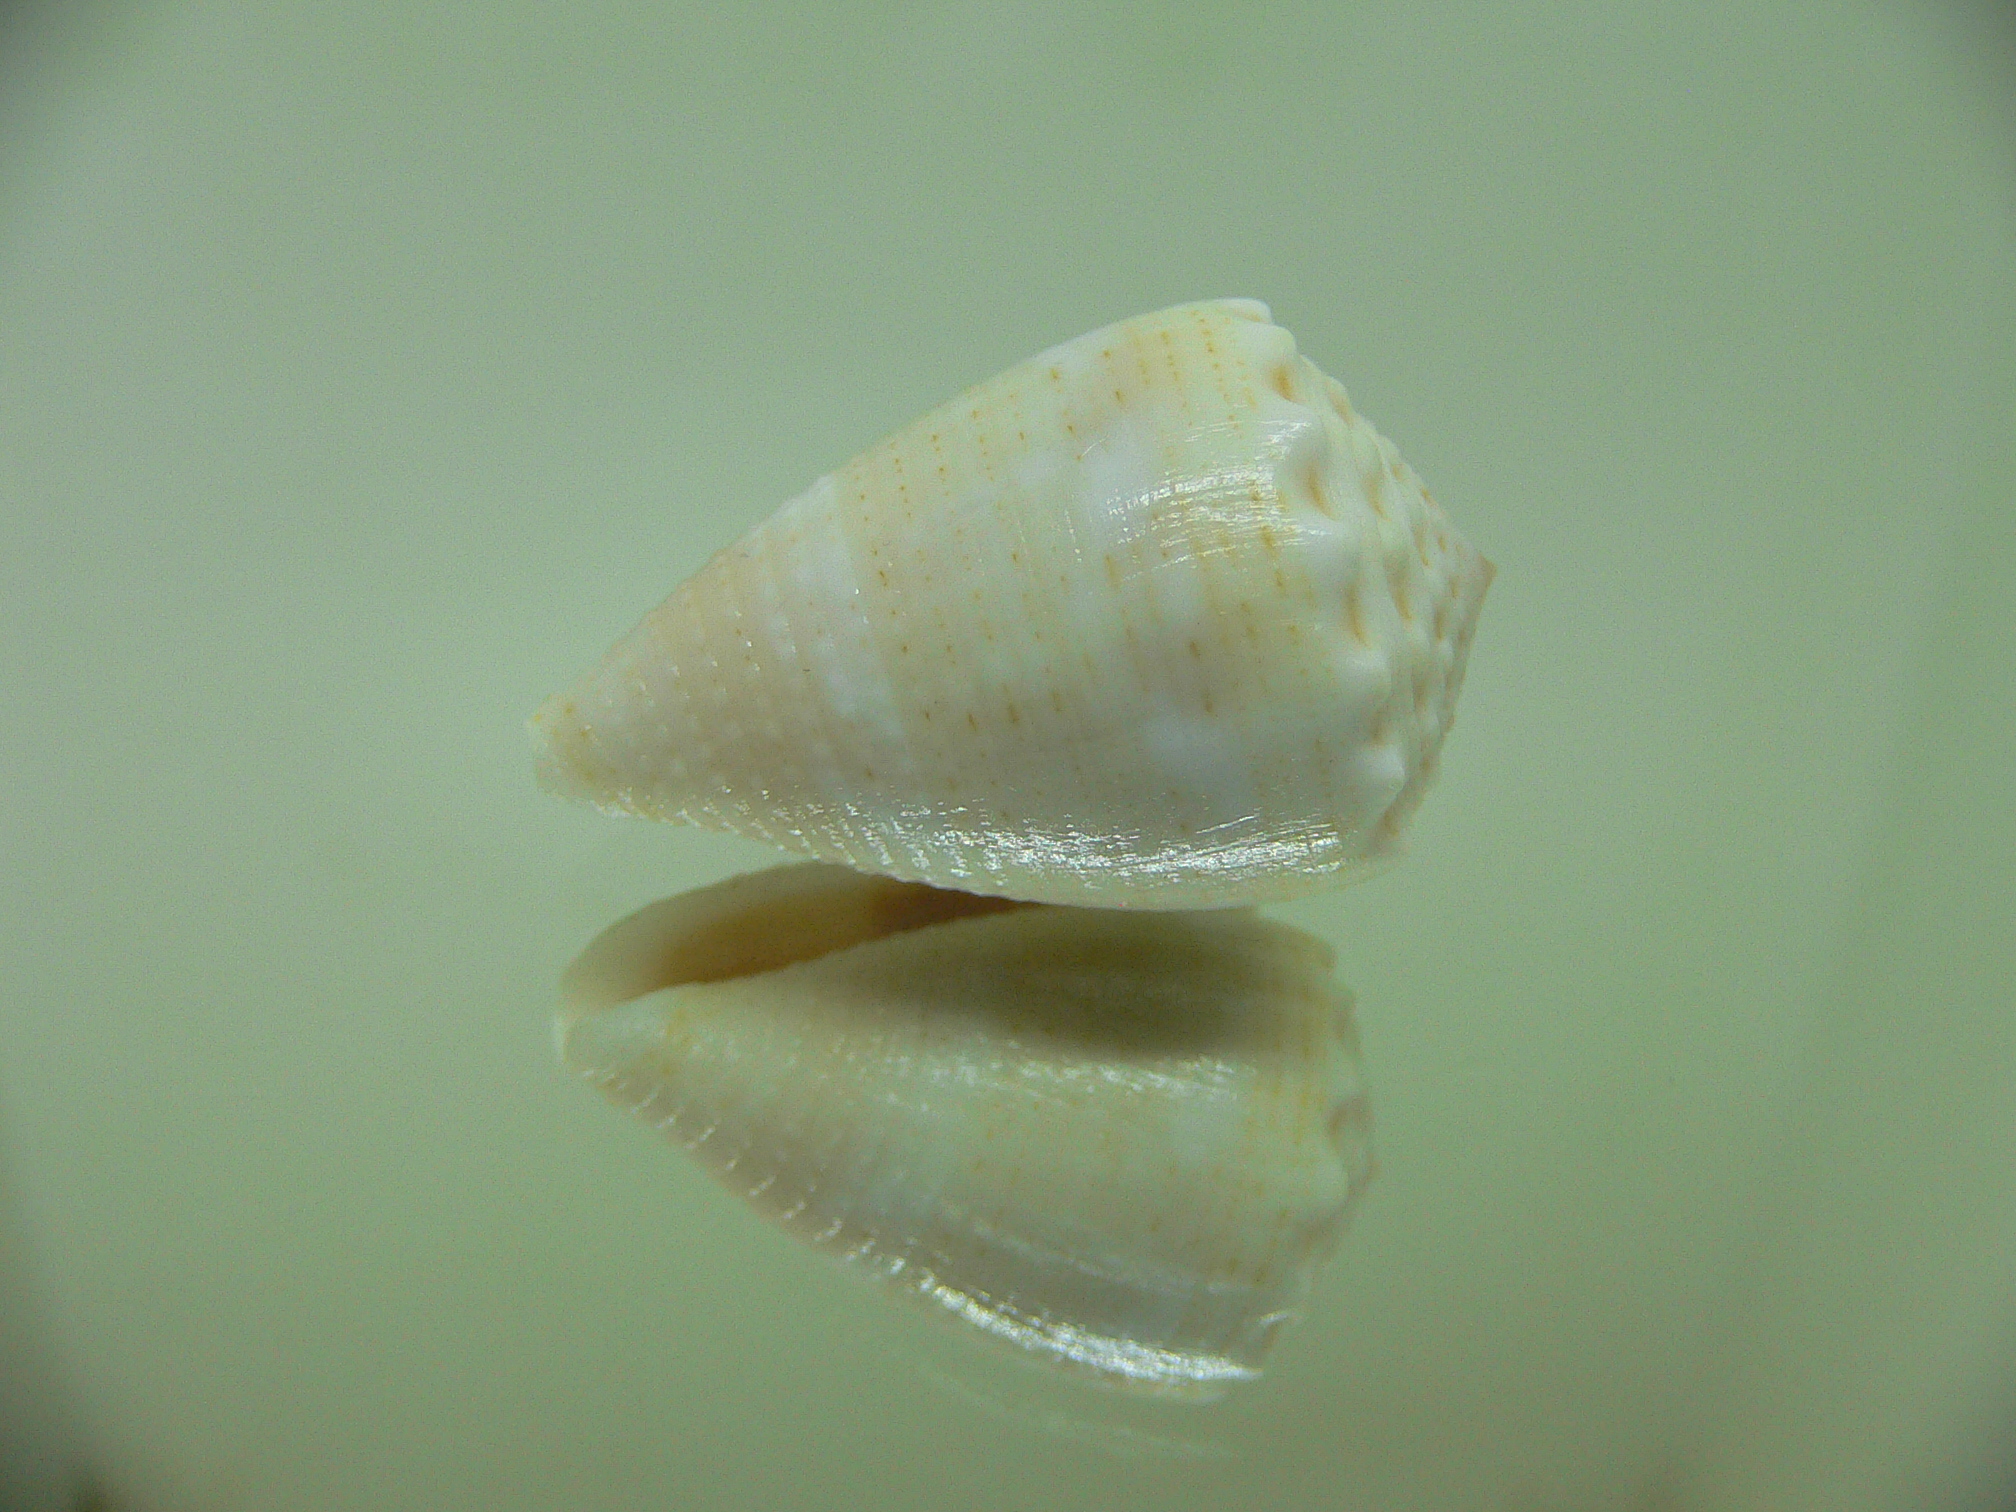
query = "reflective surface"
{"x": 361, "y": 369}
{"x": 1120, "y": 1142}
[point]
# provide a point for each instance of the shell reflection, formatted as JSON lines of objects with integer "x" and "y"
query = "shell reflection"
{"x": 1120, "y": 1141}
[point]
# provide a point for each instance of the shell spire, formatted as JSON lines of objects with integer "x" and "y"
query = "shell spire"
{"x": 1153, "y": 619}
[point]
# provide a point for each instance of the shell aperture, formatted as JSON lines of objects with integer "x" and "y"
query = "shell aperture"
{"x": 1119, "y": 1141}
{"x": 1151, "y": 620}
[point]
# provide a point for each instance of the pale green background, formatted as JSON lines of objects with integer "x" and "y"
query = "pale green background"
{"x": 365, "y": 369}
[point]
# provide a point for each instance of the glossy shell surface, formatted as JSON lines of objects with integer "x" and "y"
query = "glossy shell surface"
{"x": 1119, "y": 1141}
{"x": 1152, "y": 620}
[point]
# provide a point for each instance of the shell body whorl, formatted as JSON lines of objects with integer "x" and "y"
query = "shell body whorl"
{"x": 1151, "y": 620}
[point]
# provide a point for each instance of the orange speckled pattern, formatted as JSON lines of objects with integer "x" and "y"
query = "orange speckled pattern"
{"x": 1121, "y": 1142}
{"x": 1153, "y": 619}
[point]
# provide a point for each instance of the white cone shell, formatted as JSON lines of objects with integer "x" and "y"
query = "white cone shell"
{"x": 1119, "y": 1141}
{"x": 1150, "y": 620}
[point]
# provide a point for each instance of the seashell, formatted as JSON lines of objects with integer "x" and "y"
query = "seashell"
{"x": 1118, "y": 1140}
{"x": 1152, "y": 620}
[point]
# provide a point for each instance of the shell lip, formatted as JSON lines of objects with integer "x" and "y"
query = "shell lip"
{"x": 1131, "y": 1365}
{"x": 751, "y": 925}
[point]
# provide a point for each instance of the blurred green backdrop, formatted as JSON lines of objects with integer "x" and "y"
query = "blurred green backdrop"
{"x": 365, "y": 370}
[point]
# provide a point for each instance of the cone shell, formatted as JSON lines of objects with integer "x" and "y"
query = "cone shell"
{"x": 1154, "y": 620}
{"x": 1119, "y": 1141}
